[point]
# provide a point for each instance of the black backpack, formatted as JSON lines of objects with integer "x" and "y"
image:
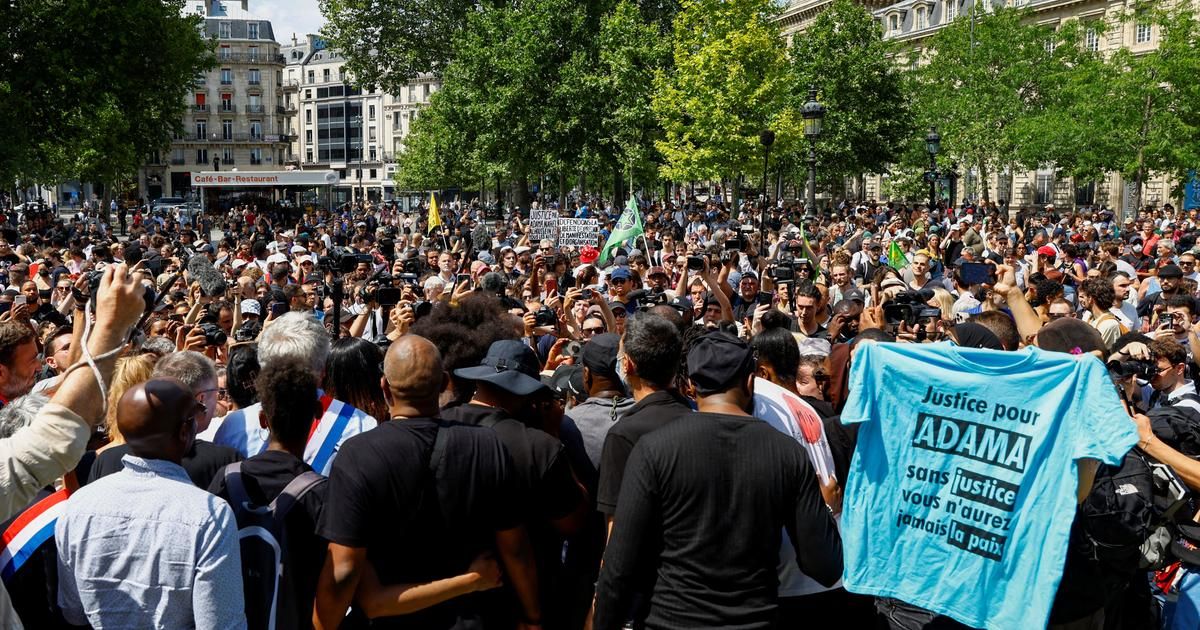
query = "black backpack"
{"x": 1137, "y": 510}
{"x": 262, "y": 535}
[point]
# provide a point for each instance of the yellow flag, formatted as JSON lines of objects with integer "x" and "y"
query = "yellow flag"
{"x": 435, "y": 218}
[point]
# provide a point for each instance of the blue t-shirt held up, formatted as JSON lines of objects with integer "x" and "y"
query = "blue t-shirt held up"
{"x": 963, "y": 485}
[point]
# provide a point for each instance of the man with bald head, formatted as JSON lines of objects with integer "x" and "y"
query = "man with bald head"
{"x": 381, "y": 519}
{"x": 165, "y": 553}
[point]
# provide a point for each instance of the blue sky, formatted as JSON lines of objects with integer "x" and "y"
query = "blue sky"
{"x": 289, "y": 16}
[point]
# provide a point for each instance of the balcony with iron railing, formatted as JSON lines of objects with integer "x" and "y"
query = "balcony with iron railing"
{"x": 291, "y": 85}
{"x": 200, "y": 107}
{"x": 176, "y": 161}
{"x": 256, "y": 109}
{"x": 280, "y": 109}
{"x": 226, "y": 109}
{"x": 246, "y": 57}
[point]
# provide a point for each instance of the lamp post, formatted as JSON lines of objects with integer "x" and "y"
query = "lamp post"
{"x": 767, "y": 138}
{"x": 812, "y": 112}
{"x": 933, "y": 143}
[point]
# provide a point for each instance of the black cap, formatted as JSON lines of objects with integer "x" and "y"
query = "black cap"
{"x": 1170, "y": 271}
{"x": 566, "y": 382}
{"x": 600, "y": 354}
{"x": 510, "y": 365}
{"x": 717, "y": 362}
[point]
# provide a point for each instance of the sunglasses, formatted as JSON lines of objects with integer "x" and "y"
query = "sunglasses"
{"x": 593, "y": 331}
{"x": 617, "y": 280}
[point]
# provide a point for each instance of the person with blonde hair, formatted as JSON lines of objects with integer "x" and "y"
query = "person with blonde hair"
{"x": 944, "y": 301}
{"x": 129, "y": 371}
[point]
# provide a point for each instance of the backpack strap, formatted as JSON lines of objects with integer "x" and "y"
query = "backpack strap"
{"x": 238, "y": 499}
{"x": 292, "y": 492}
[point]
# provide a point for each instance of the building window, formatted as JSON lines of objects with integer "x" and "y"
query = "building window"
{"x": 308, "y": 116}
{"x": 1044, "y": 192}
{"x": 951, "y": 10}
{"x": 226, "y": 102}
{"x": 412, "y": 94}
{"x": 225, "y": 30}
{"x": 1091, "y": 40}
{"x": 325, "y": 75}
{"x": 312, "y": 78}
{"x": 1085, "y": 195}
{"x": 374, "y": 156}
{"x": 256, "y": 156}
{"x": 308, "y": 136}
{"x": 255, "y": 76}
{"x": 227, "y": 155}
{"x": 252, "y": 53}
{"x": 177, "y": 156}
{"x": 252, "y": 30}
{"x": 1142, "y": 33}
{"x": 372, "y": 172}
{"x": 371, "y": 134}
{"x": 226, "y": 76}
{"x": 371, "y": 112}
{"x": 426, "y": 92}
{"x": 922, "y": 17}
{"x": 308, "y": 155}
{"x": 227, "y": 129}
{"x": 255, "y": 129}
{"x": 201, "y": 129}
{"x": 202, "y": 156}
{"x": 226, "y": 52}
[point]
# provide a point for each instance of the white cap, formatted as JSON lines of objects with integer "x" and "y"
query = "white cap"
{"x": 277, "y": 258}
{"x": 239, "y": 263}
{"x": 296, "y": 249}
{"x": 521, "y": 250}
{"x": 251, "y": 307}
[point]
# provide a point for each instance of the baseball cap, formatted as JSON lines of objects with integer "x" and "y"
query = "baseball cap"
{"x": 620, "y": 273}
{"x": 251, "y": 307}
{"x": 1046, "y": 250}
{"x": 717, "y": 361}
{"x": 600, "y": 354}
{"x": 1170, "y": 271}
{"x": 277, "y": 258}
{"x": 588, "y": 254}
{"x": 656, "y": 271}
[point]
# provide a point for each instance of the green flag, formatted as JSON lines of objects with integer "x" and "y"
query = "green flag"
{"x": 896, "y": 259}
{"x": 808, "y": 250}
{"x": 629, "y": 226}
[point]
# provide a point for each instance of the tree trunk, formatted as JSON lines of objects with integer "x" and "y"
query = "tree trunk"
{"x": 1141, "y": 158}
{"x": 521, "y": 191}
{"x": 983, "y": 181}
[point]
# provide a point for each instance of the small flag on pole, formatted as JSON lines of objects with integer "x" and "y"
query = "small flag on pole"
{"x": 435, "y": 217}
{"x": 629, "y": 226}
{"x": 896, "y": 258}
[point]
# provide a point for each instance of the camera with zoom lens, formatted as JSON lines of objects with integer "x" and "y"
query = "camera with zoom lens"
{"x": 343, "y": 260}
{"x": 213, "y": 335}
{"x": 1144, "y": 370}
{"x": 545, "y": 317}
{"x": 911, "y": 308}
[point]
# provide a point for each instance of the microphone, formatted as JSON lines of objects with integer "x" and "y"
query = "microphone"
{"x": 201, "y": 270}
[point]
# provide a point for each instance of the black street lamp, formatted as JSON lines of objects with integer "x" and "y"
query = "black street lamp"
{"x": 767, "y": 138}
{"x": 933, "y": 143}
{"x": 812, "y": 112}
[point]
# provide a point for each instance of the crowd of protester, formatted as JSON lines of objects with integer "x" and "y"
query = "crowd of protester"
{"x": 466, "y": 427}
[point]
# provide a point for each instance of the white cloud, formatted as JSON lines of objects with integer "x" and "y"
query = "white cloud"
{"x": 290, "y": 16}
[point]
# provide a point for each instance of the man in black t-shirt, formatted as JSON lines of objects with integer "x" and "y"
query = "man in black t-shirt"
{"x": 703, "y": 504}
{"x": 288, "y": 394}
{"x": 649, "y": 353}
{"x": 554, "y": 502}
{"x": 418, "y": 501}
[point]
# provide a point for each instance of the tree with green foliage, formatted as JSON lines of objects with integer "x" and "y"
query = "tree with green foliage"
{"x": 729, "y": 81}
{"x": 93, "y": 107}
{"x": 869, "y": 120}
{"x": 387, "y": 43}
{"x": 981, "y": 83}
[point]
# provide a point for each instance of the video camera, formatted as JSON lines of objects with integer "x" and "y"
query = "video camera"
{"x": 1144, "y": 370}
{"x": 343, "y": 260}
{"x": 911, "y": 308}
